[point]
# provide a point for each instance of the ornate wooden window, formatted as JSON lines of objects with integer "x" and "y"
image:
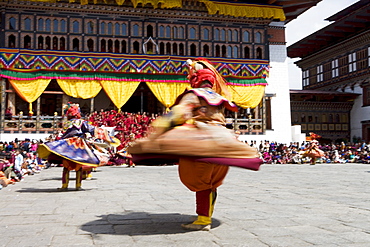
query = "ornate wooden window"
{"x": 236, "y": 35}
{"x": 223, "y": 51}
{"x": 12, "y": 23}
{"x": 40, "y": 43}
{"x": 319, "y": 73}
{"x": 161, "y": 48}
{"x": 334, "y": 68}
{"x": 259, "y": 53}
{"x": 48, "y": 25}
{"x": 205, "y": 34}
{"x": 117, "y": 29}
{"x": 110, "y": 45}
{"x": 62, "y": 44}
{"x": 192, "y": 33}
{"x": 175, "y": 34}
{"x": 174, "y": 49}
{"x": 149, "y": 31}
{"x": 246, "y": 52}
{"x": 90, "y": 45}
{"x": 103, "y": 45}
{"x": 161, "y": 31}
{"x": 63, "y": 25}
{"x": 40, "y": 24}
{"x": 102, "y": 28}
{"x": 76, "y": 27}
{"x": 223, "y": 35}
{"x": 217, "y": 34}
{"x": 168, "y": 32}
{"x": 110, "y": 28}
{"x": 124, "y": 29}
{"x": 205, "y": 50}
{"x": 229, "y": 35}
{"x": 193, "y": 50}
{"x": 352, "y": 62}
{"x": 181, "y": 33}
{"x": 55, "y": 43}
{"x": 258, "y": 37}
{"x": 136, "y": 47}
{"x": 90, "y": 27}
{"x": 47, "y": 43}
{"x": 135, "y": 30}
{"x": 76, "y": 44}
{"x": 27, "y": 42}
{"x": 181, "y": 50}
{"x": 123, "y": 46}
{"x": 168, "y": 48}
{"x": 306, "y": 78}
{"x": 229, "y": 51}
{"x": 27, "y": 24}
{"x": 246, "y": 36}
{"x": 235, "y": 52}
{"x": 55, "y": 25}
{"x": 218, "y": 51}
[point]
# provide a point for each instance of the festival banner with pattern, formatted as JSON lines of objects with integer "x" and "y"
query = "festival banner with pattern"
{"x": 108, "y": 62}
{"x": 83, "y": 75}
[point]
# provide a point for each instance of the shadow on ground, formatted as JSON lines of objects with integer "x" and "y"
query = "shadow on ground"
{"x": 48, "y": 190}
{"x": 139, "y": 223}
{"x": 60, "y": 179}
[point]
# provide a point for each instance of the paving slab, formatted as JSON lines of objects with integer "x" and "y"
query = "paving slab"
{"x": 280, "y": 205}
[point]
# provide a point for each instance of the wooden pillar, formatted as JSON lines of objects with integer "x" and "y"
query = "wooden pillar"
{"x": 38, "y": 113}
{"x": 257, "y": 112}
{"x": 3, "y": 105}
{"x": 65, "y": 99}
{"x": 236, "y": 121}
{"x": 38, "y": 106}
{"x": 11, "y": 103}
{"x": 264, "y": 115}
{"x": 92, "y": 100}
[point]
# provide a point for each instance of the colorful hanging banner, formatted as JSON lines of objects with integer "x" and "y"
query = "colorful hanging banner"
{"x": 100, "y": 62}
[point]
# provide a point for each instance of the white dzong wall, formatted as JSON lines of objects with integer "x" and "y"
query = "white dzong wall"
{"x": 359, "y": 112}
{"x": 278, "y": 85}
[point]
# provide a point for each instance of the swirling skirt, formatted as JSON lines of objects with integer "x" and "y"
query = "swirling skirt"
{"x": 214, "y": 145}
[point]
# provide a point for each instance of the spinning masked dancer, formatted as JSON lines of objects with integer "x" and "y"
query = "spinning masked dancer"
{"x": 194, "y": 135}
{"x": 81, "y": 147}
{"x": 313, "y": 151}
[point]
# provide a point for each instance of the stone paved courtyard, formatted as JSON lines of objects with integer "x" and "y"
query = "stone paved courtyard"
{"x": 280, "y": 205}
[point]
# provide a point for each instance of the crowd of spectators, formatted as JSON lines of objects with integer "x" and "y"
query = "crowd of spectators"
{"x": 19, "y": 158}
{"x": 127, "y": 125}
{"x": 293, "y": 153}
{"x": 131, "y": 126}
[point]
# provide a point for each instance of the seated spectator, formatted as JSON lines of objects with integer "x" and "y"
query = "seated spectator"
{"x": 26, "y": 145}
{"x": 4, "y": 180}
{"x": 8, "y": 113}
{"x": 18, "y": 162}
{"x": 34, "y": 146}
{"x": 9, "y": 147}
{"x": 26, "y": 170}
{"x": 8, "y": 169}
